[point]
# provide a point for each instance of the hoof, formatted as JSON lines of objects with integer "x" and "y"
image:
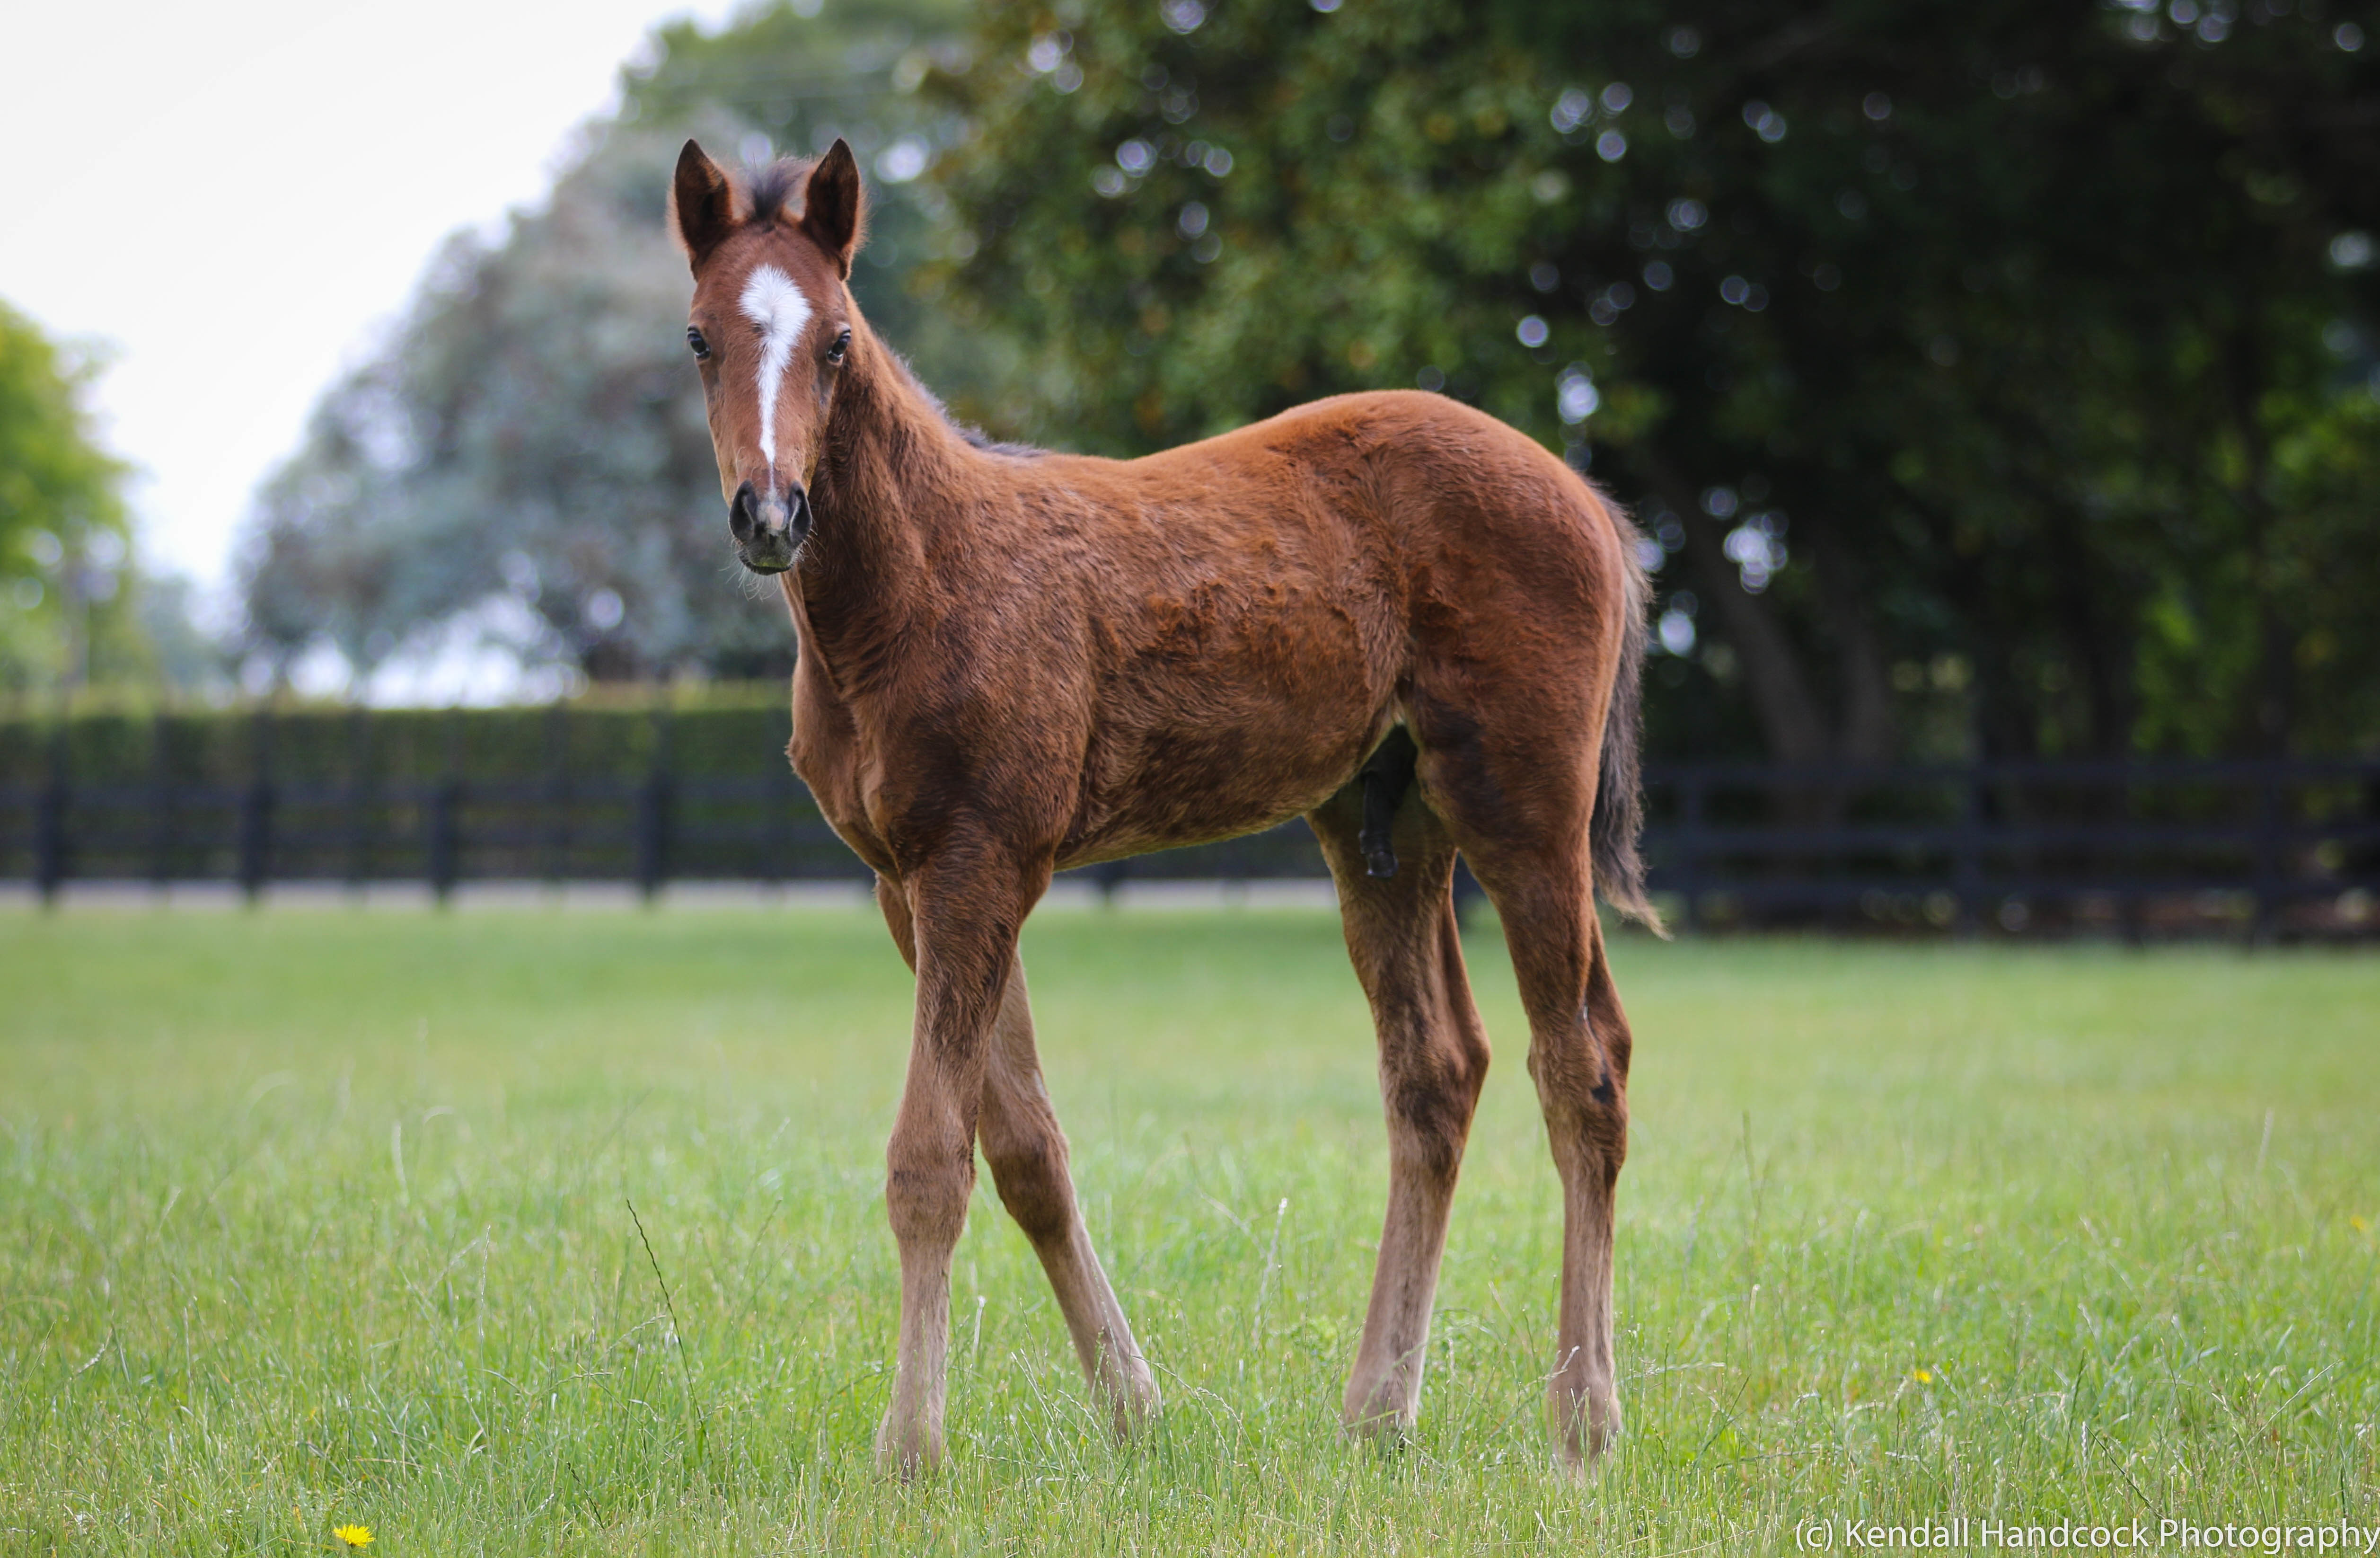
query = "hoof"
{"x": 1383, "y": 1418}
{"x": 1133, "y": 1403}
{"x": 1586, "y": 1440}
{"x": 907, "y": 1449}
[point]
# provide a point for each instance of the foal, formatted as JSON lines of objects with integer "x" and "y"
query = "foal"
{"x": 1389, "y": 614}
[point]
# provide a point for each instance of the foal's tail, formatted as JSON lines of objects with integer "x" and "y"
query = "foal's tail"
{"x": 1619, "y": 815}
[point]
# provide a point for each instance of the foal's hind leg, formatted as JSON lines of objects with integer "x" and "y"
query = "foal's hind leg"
{"x": 1407, "y": 950}
{"x": 1580, "y": 1070}
{"x": 1579, "y": 1047}
{"x": 1517, "y": 799}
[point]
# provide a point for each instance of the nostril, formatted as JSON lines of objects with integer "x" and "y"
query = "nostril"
{"x": 797, "y": 519}
{"x": 740, "y": 522}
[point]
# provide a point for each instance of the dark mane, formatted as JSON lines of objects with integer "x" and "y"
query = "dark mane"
{"x": 976, "y": 437}
{"x": 774, "y": 188}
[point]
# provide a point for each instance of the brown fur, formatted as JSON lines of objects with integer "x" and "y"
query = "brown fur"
{"x": 1010, "y": 666}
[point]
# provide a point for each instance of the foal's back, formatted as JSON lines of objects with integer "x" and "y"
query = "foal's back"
{"x": 1412, "y": 475}
{"x": 1256, "y": 610}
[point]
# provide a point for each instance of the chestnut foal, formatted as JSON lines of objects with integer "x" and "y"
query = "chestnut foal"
{"x": 1387, "y": 613}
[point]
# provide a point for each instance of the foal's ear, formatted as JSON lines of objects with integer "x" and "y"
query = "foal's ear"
{"x": 702, "y": 204}
{"x": 831, "y": 207}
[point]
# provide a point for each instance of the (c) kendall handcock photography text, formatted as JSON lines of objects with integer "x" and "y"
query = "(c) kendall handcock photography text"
{"x": 1967, "y": 1533}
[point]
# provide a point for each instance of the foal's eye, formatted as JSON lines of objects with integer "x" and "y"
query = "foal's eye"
{"x": 702, "y": 348}
{"x": 841, "y": 344}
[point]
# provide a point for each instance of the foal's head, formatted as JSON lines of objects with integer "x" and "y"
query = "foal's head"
{"x": 770, "y": 327}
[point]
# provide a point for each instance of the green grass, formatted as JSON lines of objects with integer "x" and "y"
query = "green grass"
{"x": 312, "y": 1218}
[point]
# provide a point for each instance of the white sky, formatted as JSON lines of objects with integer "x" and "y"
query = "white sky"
{"x": 238, "y": 198}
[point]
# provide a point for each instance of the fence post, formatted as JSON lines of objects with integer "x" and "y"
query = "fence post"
{"x": 1967, "y": 867}
{"x": 780, "y": 802}
{"x": 360, "y": 798}
{"x": 1690, "y": 845}
{"x": 443, "y": 847}
{"x": 50, "y": 849}
{"x": 2133, "y": 866}
{"x": 161, "y": 779}
{"x": 255, "y": 811}
{"x": 2265, "y": 926}
{"x": 553, "y": 840}
{"x": 653, "y": 811}
{"x": 444, "y": 841}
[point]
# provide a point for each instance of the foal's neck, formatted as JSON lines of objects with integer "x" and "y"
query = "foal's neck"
{"x": 891, "y": 482}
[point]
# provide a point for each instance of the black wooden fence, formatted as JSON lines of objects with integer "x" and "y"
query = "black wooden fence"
{"x": 649, "y": 796}
{"x": 640, "y": 794}
{"x": 2285, "y": 846}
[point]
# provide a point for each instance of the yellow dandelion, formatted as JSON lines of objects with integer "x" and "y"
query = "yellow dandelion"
{"x": 353, "y": 1536}
{"x": 2359, "y": 1224}
{"x": 1923, "y": 1376}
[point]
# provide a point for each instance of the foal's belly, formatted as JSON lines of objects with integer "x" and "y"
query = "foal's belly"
{"x": 1225, "y": 751}
{"x": 1242, "y": 691}
{"x": 1200, "y": 793}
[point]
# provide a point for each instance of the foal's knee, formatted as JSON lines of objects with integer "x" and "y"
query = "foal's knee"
{"x": 1584, "y": 1095}
{"x": 1031, "y": 1173}
{"x": 1430, "y": 1104}
{"x": 927, "y": 1194}
{"x": 1602, "y": 1127}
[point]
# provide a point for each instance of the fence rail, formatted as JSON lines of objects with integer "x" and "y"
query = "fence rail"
{"x": 2265, "y": 847}
{"x": 2256, "y": 848}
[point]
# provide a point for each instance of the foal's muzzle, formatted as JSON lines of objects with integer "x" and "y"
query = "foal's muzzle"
{"x": 769, "y": 527}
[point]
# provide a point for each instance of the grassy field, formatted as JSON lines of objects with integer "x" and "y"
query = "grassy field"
{"x": 311, "y": 1219}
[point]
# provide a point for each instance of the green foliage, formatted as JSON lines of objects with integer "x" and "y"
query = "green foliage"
{"x": 318, "y": 1218}
{"x": 64, "y": 532}
{"x": 607, "y": 735}
{"x": 53, "y": 475}
{"x": 1919, "y": 332}
{"x": 1994, "y": 383}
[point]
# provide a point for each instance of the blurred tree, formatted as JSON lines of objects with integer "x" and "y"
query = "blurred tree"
{"x": 526, "y": 455}
{"x": 65, "y": 534}
{"x": 2014, "y": 360}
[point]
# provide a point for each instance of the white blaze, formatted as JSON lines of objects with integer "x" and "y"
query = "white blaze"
{"x": 771, "y": 301}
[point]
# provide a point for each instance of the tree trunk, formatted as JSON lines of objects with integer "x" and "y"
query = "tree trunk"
{"x": 2271, "y": 698}
{"x": 1792, "y": 720}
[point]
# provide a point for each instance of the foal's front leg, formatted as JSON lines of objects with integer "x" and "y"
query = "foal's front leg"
{"x": 1027, "y": 1154}
{"x": 966, "y": 929}
{"x": 1018, "y": 1130}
